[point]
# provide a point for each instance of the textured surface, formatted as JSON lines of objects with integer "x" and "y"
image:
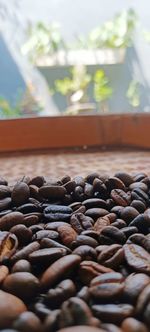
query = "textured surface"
{"x": 59, "y": 163}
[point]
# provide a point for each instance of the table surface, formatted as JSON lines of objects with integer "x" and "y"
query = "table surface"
{"x": 73, "y": 162}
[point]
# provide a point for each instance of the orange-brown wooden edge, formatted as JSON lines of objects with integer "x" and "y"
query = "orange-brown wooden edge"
{"x": 71, "y": 131}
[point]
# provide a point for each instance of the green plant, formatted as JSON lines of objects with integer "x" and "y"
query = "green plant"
{"x": 43, "y": 40}
{"x": 7, "y": 111}
{"x": 76, "y": 84}
{"x": 133, "y": 94}
{"x": 102, "y": 89}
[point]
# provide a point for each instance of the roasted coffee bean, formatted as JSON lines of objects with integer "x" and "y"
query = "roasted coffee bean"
{"x": 8, "y": 245}
{"x": 28, "y": 208}
{"x": 4, "y": 191}
{"x": 51, "y": 321}
{"x": 96, "y": 213}
{"x": 62, "y": 292}
{"x": 113, "y": 313}
{"x": 82, "y": 328}
{"x": 142, "y": 240}
{"x": 20, "y": 194}
{"x": 67, "y": 235}
{"x": 114, "y": 233}
{"x": 86, "y": 252}
{"x": 52, "y": 192}
{"x": 91, "y": 233}
{"x": 38, "y": 236}
{"x": 101, "y": 223}
{"x": 23, "y": 234}
{"x": 138, "y": 205}
{"x": 80, "y": 222}
{"x": 137, "y": 258}
{"x": 37, "y": 181}
{"x": 88, "y": 190}
{"x": 59, "y": 269}
{"x": 22, "y": 284}
{"x": 110, "y": 328}
{"x": 94, "y": 202}
{"x": 57, "y": 212}
{"x": 54, "y": 225}
{"x": 10, "y": 308}
{"x": 138, "y": 185}
{"x": 89, "y": 270}
{"x": 49, "y": 243}
{"x": 114, "y": 183}
{"x": 126, "y": 178}
{"x": 3, "y": 273}
{"x": 100, "y": 188}
{"x": 84, "y": 294}
{"x": 143, "y": 300}
{"x": 119, "y": 223}
{"x": 5, "y": 203}
{"x": 79, "y": 180}
{"x": 139, "y": 194}
{"x": 117, "y": 210}
{"x": 84, "y": 240}
{"x": 46, "y": 256}
{"x": 10, "y": 220}
{"x": 134, "y": 284}
{"x": 25, "y": 251}
{"x": 129, "y": 231}
{"x": 128, "y": 214}
{"x": 3, "y": 181}
{"x": 27, "y": 321}
{"x": 133, "y": 325}
{"x": 120, "y": 197}
{"x": 112, "y": 256}
{"x": 21, "y": 266}
{"x": 142, "y": 222}
{"x": 107, "y": 286}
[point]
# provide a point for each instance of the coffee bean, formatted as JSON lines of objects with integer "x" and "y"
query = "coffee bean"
{"x": 94, "y": 202}
{"x": 142, "y": 240}
{"x": 80, "y": 222}
{"x": 101, "y": 223}
{"x": 51, "y": 321}
{"x": 10, "y": 308}
{"x": 28, "y": 321}
{"x": 86, "y": 252}
{"x": 138, "y": 205}
{"x": 37, "y": 181}
{"x": 10, "y": 220}
{"x": 133, "y": 325}
{"x": 22, "y": 284}
{"x": 115, "y": 183}
{"x": 113, "y": 313}
{"x": 4, "y": 191}
{"x": 38, "y": 236}
{"x": 67, "y": 235}
{"x": 21, "y": 266}
{"x": 142, "y": 222}
{"x": 89, "y": 270}
{"x": 24, "y": 252}
{"x": 82, "y": 328}
{"x": 52, "y": 192}
{"x": 3, "y": 273}
{"x": 143, "y": 300}
{"x": 46, "y": 256}
{"x": 57, "y": 212}
{"x": 59, "y": 269}
{"x": 107, "y": 286}
{"x": 5, "y": 203}
{"x": 20, "y": 194}
{"x": 125, "y": 178}
{"x": 128, "y": 214}
{"x": 120, "y": 197}
{"x": 137, "y": 258}
{"x": 23, "y": 234}
{"x": 96, "y": 213}
{"x": 84, "y": 240}
{"x": 62, "y": 292}
{"x": 134, "y": 284}
{"x": 111, "y": 256}
{"x": 8, "y": 245}
{"x": 49, "y": 243}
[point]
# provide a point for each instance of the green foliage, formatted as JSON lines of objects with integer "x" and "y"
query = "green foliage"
{"x": 79, "y": 81}
{"x": 7, "y": 111}
{"x": 102, "y": 89}
{"x": 43, "y": 40}
{"x": 133, "y": 94}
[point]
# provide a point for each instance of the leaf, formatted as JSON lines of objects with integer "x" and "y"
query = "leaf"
{"x": 133, "y": 94}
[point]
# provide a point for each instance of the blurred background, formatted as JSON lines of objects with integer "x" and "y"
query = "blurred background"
{"x": 61, "y": 57}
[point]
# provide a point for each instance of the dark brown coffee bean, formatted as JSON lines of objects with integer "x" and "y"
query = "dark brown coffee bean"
{"x": 134, "y": 284}
{"x": 143, "y": 300}
{"x": 10, "y": 220}
{"x": 133, "y": 325}
{"x": 89, "y": 270}
{"x": 24, "y": 252}
{"x": 30, "y": 220}
{"x": 95, "y": 203}
{"x": 82, "y": 328}
{"x": 100, "y": 188}
{"x": 52, "y": 192}
{"x": 142, "y": 222}
{"x": 138, "y": 205}
{"x": 86, "y": 252}
{"x": 112, "y": 256}
{"x": 20, "y": 194}
{"x": 107, "y": 286}
{"x": 120, "y": 197}
{"x": 3, "y": 273}
{"x": 70, "y": 186}
{"x": 146, "y": 315}
{"x": 80, "y": 222}
{"x": 3, "y": 181}
{"x": 49, "y": 243}
{"x": 75, "y": 206}
{"x": 57, "y": 212}
{"x": 62, "y": 292}
{"x": 8, "y": 245}
{"x": 37, "y": 181}
{"x": 91, "y": 233}
{"x": 113, "y": 313}
{"x": 51, "y": 321}
{"x": 79, "y": 180}
{"x": 10, "y": 308}
{"x": 84, "y": 240}
{"x": 28, "y": 208}
{"x": 27, "y": 321}
{"x": 5, "y": 203}
{"x": 138, "y": 185}
{"x": 114, "y": 183}
{"x": 23, "y": 234}
{"x": 139, "y": 177}
{"x": 128, "y": 231}
{"x": 21, "y": 266}
{"x": 4, "y": 212}
{"x": 141, "y": 240}
{"x": 88, "y": 190}
{"x": 67, "y": 235}
{"x": 4, "y": 191}
{"x": 115, "y": 234}
{"x": 46, "y": 256}
{"x": 36, "y": 228}
{"x": 79, "y": 193}
{"x": 137, "y": 258}
{"x": 84, "y": 294}
{"x": 117, "y": 210}
{"x": 75, "y": 312}
{"x": 53, "y": 226}
{"x": 65, "y": 179}
{"x": 125, "y": 178}
{"x": 59, "y": 269}
{"x": 22, "y": 284}
{"x": 119, "y": 223}
{"x": 45, "y": 234}
{"x": 128, "y": 214}
{"x": 110, "y": 328}
{"x": 101, "y": 223}
{"x": 139, "y": 194}
{"x": 96, "y": 213}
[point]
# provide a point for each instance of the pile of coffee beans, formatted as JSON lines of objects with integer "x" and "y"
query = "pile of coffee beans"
{"x": 75, "y": 254}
